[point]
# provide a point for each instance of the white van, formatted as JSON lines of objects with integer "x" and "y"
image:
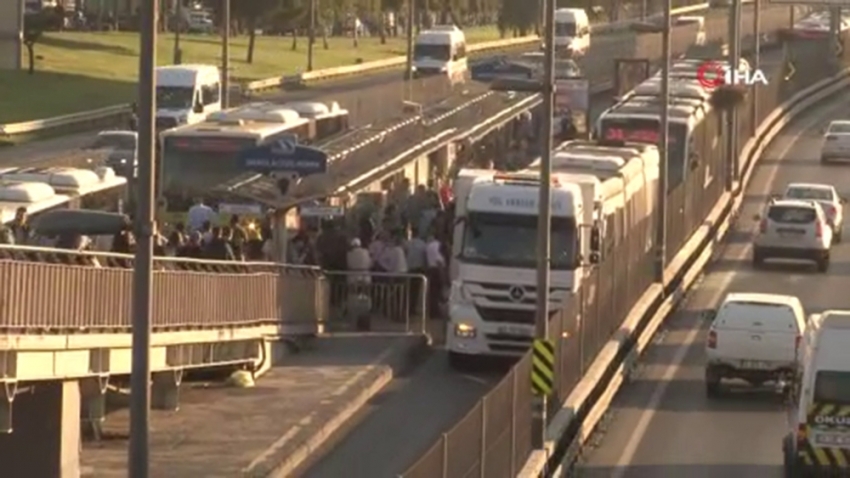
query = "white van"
{"x": 186, "y": 94}
{"x": 819, "y": 440}
{"x": 572, "y": 31}
{"x": 756, "y": 338}
{"x": 441, "y": 51}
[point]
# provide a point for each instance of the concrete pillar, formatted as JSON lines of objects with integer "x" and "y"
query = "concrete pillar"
{"x": 11, "y": 34}
{"x": 165, "y": 394}
{"x": 46, "y": 437}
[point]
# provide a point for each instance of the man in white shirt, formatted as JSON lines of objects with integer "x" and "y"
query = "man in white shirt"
{"x": 199, "y": 214}
{"x": 436, "y": 264}
{"x": 358, "y": 260}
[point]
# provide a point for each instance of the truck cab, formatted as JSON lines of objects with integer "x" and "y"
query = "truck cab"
{"x": 493, "y": 293}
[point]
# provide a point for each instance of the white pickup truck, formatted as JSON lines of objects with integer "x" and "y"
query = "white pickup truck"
{"x": 755, "y": 338}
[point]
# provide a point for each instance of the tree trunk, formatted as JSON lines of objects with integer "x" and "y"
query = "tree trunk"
{"x": 294, "y": 39}
{"x": 252, "y": 36}
{"x": 31, "y": 62}
{"x": 325, "y": 43}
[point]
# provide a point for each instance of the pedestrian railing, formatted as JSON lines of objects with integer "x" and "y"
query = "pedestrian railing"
{"x": 368, "y": 300}
{"x": 65, "y": 291}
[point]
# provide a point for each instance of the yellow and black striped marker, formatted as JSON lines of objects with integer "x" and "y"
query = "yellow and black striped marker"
{"x": 543, "y": 367}
{"x": 837, "y": 418}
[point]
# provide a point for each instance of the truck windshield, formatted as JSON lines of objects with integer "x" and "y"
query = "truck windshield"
{"x": 432, "y": 52}
{"x": 174, "y": 97}
{"x": 510, "y": 240}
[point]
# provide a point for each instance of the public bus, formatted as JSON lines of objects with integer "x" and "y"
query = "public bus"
{"x": 198, "y": 159}
{"x": 76, "y": 188}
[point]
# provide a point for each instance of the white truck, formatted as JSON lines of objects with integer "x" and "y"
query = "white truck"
{"x": 755, "y": 338}
{"x": 186, "y": 94}
{"x": 818, "y": 443}
{"x": 493, "y": 293}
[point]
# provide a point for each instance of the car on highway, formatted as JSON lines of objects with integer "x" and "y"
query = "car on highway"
{"x": 818, "y": 442}
{"x": 116, "y": 149}
{"x": 502, "y": 68}
{"x": 755, "y": 338}
{"x": 828, "y": 198}
{"x": 793, "y": 229}
{"x": 836, "y": 142}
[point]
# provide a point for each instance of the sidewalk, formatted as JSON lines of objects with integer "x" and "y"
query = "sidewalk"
{"x": 273, "y": 427}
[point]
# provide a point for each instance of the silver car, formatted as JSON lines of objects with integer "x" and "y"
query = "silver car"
{"x": 793, "y": 229}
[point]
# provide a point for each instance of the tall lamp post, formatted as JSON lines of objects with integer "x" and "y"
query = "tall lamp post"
{"x": 661, "y": 193}
{"x": 411, "y": 13}
{"x": 225, "y": 53}
{"x": 139, "y": 452}
{"x": 546, "y": 87}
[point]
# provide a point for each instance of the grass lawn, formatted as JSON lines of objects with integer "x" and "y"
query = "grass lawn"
{"x": 78, "y": 71}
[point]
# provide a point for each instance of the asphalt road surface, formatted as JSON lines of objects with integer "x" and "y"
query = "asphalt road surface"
{"x": 661, "y": 424}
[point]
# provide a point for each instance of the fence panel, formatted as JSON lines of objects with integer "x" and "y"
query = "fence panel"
{"x": 499, "y": 428}
{"x": 433, "y": 463}
{"x": 465, "y": 445}
{"x": 366, "y": 299}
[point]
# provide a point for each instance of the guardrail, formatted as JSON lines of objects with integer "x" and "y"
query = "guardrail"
{"x": 116, "y": 114}
{"x": 57, "y": 290}
{"x": 586, "y": 405}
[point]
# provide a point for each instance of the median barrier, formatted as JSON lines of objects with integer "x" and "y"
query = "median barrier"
{"x": 590, "y": 399}
{"x": 117, "y": 115}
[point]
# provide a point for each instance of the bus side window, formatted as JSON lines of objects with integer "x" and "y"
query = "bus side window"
{"x": 210, "y": 94}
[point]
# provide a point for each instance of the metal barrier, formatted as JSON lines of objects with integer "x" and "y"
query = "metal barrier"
{"x": 55, "y": 290}
{"x": 369, "y": 299}
{"x": 492, "y": 440}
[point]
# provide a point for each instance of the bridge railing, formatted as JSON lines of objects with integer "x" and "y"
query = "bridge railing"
{"x": 58, "y": 291}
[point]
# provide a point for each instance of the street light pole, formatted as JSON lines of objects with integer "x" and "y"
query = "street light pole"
{"x": 663, "y": 150}
{"x": 411, "y": 13}
{"x": 757, "y": 64}
{"x": 545, "y": 216}
{"x": 139, "y": 452}
{"x": 178, "y": 55}
{"x": 225, "y": 53}
{"x": 311, "y": 41}
{"x": 734, "y": 62}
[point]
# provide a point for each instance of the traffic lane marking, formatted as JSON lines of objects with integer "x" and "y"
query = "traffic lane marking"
{"x": 687, "y": 331}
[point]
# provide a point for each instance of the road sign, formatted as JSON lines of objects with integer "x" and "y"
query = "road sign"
{"x": 543, "y": 367}
{"x": 287, "y": 155}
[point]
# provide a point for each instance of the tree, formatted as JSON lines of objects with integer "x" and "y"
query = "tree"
{"x": 34, "y": 27}
{"x": 255, "y": 13}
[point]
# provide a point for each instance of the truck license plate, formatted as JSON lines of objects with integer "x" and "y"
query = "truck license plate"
{"x": 755, "y": 364}
{"x": 514, "y": 330}
{"x": 832, "y": 439}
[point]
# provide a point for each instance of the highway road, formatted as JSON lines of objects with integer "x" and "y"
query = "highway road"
{"x": 376, "y": 98}
{"x": 661, "y": 424}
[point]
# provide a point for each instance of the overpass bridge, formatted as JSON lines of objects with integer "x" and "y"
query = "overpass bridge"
{"x": 66, "y": 332}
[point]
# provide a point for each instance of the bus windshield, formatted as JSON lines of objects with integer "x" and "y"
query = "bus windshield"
{"x": 194, "y": 162}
